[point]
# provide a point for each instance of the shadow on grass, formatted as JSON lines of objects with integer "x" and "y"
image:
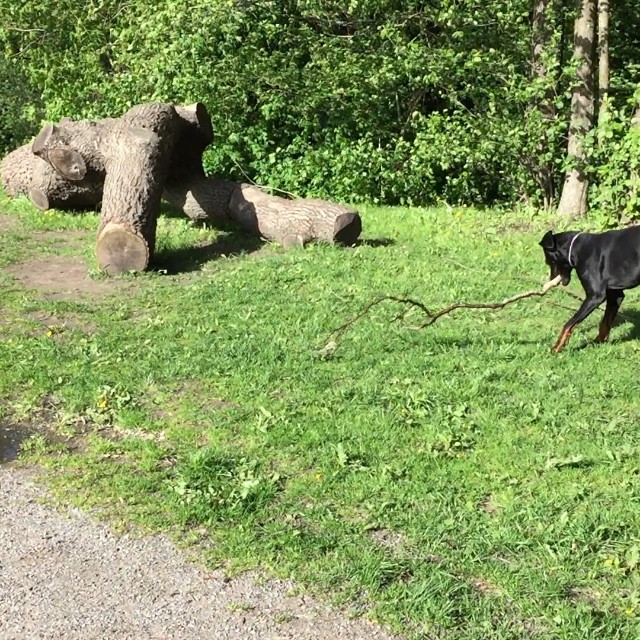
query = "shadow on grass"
{"x": 374, "y": 242}
{"x": 581, "y": 339}
{"x": 618, "y": 333}
{"x": 186, "y": 259}
{"x": 231, "y": 242}
{"x": 632, "y": 316}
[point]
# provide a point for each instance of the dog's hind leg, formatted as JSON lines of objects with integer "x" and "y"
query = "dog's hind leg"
{"x": 614, "y": 300}
{"x": 591, "y": 303}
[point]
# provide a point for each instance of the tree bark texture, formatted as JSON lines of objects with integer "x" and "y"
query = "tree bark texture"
{"x": 16, "y": 171}
{"x": 24, "y": 173}
{"x": 137, "y": 160}
{"x": 573, "y": 202}
{"x": 293, "y": 222}
{"x": 542, "y": 33}
{"x": 603, "y": 61}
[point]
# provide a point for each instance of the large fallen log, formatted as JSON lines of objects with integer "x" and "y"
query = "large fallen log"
{"x": 196, "y": 134}
{"x": 123, "y": 163}
{"x": 289, "y": 222}
{"x": 24, "y": 173}
{"x": 153, "y": 151}
{"x": 201, "y": 198}
{"x": 137, "y": 160}
{"x": 49, "y": 190}
{"x": 293, "y": 222}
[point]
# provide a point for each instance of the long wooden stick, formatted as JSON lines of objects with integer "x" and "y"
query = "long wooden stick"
{"x": 433, "y": 317}
{"x": 491, "y": 305}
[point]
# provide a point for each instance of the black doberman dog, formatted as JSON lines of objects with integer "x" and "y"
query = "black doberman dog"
{"x": 606, "y": 264}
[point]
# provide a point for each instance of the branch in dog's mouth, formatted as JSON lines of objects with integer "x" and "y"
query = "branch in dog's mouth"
{"x": 552, "y": 283}
{"x": 433, "y": 316}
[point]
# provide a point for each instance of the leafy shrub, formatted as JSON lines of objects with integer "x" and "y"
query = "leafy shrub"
{"x": 379, "y": 100}
{"x": 614, "y": 155}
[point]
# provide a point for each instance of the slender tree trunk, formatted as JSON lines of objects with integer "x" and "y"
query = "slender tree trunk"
{"x": 635, "y": 178}
{"x": 603, "y": 62}
{"x": 573, "y": 202}
{"x": 541, "y": 33}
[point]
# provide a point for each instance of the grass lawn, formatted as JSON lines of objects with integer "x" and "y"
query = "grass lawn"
{"x": 459, "y": 482}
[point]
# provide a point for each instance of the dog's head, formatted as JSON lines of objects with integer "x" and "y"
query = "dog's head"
{"x": 556, "y": 255}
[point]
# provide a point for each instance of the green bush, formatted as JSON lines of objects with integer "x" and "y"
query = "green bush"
{"x": 614, "y": 154}
{"x": 378, "y": 100}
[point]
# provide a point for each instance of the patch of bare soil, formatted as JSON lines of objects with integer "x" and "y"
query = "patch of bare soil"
{"x": 585, "y": 595}
{"x": 485, "y": 587}
{"x": 67, "y": 239}
{"x": 389, "y": 539}
{"x": 489, "y": 506}
{"x": 64, "y": 278}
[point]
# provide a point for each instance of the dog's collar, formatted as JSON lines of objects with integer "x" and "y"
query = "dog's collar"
{"x": 571, "y": 246}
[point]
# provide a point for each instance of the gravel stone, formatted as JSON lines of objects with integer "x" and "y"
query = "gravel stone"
{"x": 66, "y": 576}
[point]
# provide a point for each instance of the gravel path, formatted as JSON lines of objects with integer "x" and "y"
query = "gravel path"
{"x": 65, "y": 576}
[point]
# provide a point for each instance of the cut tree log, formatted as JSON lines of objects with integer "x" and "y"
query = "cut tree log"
{"x": 23, "y": 173}
{"x": 155, "y": 150}
{"x": 195, "y": 136}
{"x": 187, "y": 187}
{"x": 49, "y": 190}
{"x": 125, "y": 161}
{"x": 201, "y": 198}
{"x": 289, "y": 222}
{"x": 293, "y": 222}
{"x": 75, "y": 149}
{"x": 137, "y": 163}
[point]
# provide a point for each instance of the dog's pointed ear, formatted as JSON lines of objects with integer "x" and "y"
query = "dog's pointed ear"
{"x": 548, "y": 241}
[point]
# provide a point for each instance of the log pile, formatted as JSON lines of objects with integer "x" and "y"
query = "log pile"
{"x": 154, "y": 151}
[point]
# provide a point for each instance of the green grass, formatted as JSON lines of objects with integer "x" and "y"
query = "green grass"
{"x": 507, "y": 477}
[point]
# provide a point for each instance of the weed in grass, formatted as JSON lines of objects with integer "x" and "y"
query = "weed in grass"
{"x": 212, "y": 485}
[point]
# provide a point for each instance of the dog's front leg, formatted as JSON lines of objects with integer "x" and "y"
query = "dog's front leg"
{"x": 591, "y": 303}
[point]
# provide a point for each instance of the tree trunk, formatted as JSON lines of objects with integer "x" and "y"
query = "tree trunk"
{"x": 634, "y": 186}
{"x": 293, "y": 222}
{"x": 542, "y": 32}
{"x": 603, "y": 62}
{"x": 137, "y": 163}
{"x": 573, "y": 202}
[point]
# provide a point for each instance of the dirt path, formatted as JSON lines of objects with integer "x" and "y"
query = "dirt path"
{"x": 63, "y": 575}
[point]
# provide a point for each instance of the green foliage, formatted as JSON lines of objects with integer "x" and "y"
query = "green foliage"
{"x": 20, "y": 105}
{"x": 376, "y": 100}
{"x": 212, "y": 485}
{"x": 614, "y": 155}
